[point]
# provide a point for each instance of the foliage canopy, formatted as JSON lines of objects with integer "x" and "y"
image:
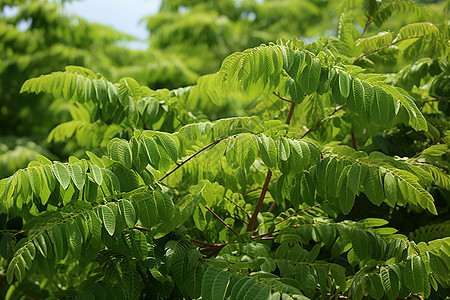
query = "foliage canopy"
{"x": 265, "y": 180}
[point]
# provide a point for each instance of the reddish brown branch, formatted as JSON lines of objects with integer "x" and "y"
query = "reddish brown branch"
{"x": 432, "y": 144}
{"x": 192, "y": 156}
{"x": 251, "y": 223}
{"x": 141, "y": 228}
{"x": 223, "y": 222}
{"x": 282, "y": 98}
{"x": 365, "y": 27}
{"x": 354, "y": 146}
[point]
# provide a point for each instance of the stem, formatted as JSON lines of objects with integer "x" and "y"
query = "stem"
{"x": 284, "y": 99}
{"x": 395, "y": 41}
{"x": 251, "y": 223}
{"x": 432, "y": 144}
{"x": 207, "y": 244}
{"x": 192, "y": 156}
{"x": 291, "y": 112}
{"x": 238, "y": 206}
{"x": 141, "y": 228}
{"x": 430, "y": 100}
{"x": 223, "y": 222}
{"x": 365, "y": 27}
{"x": 353, "y": 140}
{"x": 323, "y": 120}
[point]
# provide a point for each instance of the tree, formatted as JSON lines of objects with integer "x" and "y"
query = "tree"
{"x": 283, "y": 201}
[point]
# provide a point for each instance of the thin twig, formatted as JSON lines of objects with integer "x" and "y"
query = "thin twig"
{"x": 432, "y": 144}
{"x": 194, "y": 155}
{"x": 243, "y": 209}
{"x": 282, "y": 98}
{"x": 141, "y": 228}
{"x": 365, "y": 27}
{"x": 323, "y": 120}
{"x": 291, "y": 112}
{"x": 251, "y": 223}
{"x": 395, "y": 41}
{"x": 354, "y": 146}
{"x": 207, "y": 244}
{"x": 430, "y": 100}
{"x": 248, "y": 192}
{"x": 223, "y": 222}
{"x": 265, "y": 234}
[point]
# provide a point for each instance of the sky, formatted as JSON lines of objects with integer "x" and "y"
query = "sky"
{"x": 123, "y": 15}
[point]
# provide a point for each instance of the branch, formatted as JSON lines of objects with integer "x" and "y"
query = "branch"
{"x": 395, "y": 41}
{"x": 251, "y": 223}
{"x": 223, "y": 222}
{"x": 323, "y": 120}
{"x": 207, "y": 244}
{"x": 430, "y": 100}
{"x": 141, "y": 228}
{"x": 432, "y": 144}
{"x": 238, "y": 206}
{"x": 192, "y": 156}
{"x": 365, "y": 27}
{"x": 354, "y": 146}
{"x": 284, "y": 99}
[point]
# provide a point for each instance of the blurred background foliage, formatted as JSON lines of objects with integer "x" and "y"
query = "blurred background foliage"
{"x": 190, "y": 38}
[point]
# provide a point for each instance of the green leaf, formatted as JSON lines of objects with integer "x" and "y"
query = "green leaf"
{"x": 56, "y": 236}
{"x": 360, "y": 242}
{"x": 344, "y": 84}
{"x": 382, "y": 111}
{"x": 120, "y": 151}
{"x": 146, "y": 208}
{"x": 414, "y": 274}
{"x": 62, "y": 174}
{"x": 373, "y": 186}
{"x": 268, "y": 151}
{"x": 77, "y": 174}
{"x": 309, "y": 79}
{"x": 108, "y": 219}
{"x": 283, "y": 149}
{"x": 208, "y": 281}
{"x": 390, "y": 282}
{"x": 164, "y": 204}
{"x": 127, "y": 211}
{"x": 346, "y": 194}
{"x": 41, "y": 242}
{"x": 96, "y": 173}
{"x": 152, "y": 151}
{"x": 220, "y": 285}
{"x": 417, "y": 30}
{"x": 169, "y": 145}
{"x": 355, "y": 101}
{"x": 356, "y": 177}
{"x": 74, "y": 238}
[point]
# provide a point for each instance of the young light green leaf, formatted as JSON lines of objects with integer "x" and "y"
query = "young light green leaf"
{"x": 169, "y": 145}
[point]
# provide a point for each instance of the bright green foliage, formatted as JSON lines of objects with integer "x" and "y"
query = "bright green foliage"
{"x": 176, "y": 197}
